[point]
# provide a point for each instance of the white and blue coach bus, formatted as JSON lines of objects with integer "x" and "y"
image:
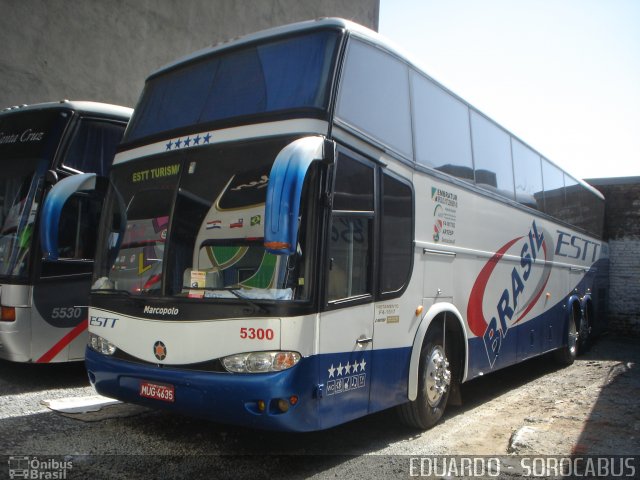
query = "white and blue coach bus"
{"x": 303, "y": 228}
{"x": 44, "y": 301}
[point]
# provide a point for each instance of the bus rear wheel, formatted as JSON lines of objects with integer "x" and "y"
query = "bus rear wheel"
{"x": 584, "y": 330}
{"x": 567, "y": 354}
{"x": 434, "y": 384}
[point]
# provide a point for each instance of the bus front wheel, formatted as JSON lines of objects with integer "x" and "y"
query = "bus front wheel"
{"x": 434, "y": 384}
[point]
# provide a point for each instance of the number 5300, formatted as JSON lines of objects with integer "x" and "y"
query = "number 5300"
{"x": 257, "y": 333}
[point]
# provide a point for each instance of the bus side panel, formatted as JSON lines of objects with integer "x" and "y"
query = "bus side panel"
{"x": 15, "y": 336}
{"x": 59, "y": 319}
{"x": 513, "y": 271}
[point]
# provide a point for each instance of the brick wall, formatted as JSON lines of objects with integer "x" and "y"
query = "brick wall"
{"x": 622, "y": 231}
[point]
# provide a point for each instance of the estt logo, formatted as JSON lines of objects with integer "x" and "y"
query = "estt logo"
{"x": 518, "y": 290}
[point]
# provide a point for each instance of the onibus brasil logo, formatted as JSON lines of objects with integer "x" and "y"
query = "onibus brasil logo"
{"x": 516, "y": 291}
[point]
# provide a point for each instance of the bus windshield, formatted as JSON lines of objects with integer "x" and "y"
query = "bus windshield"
{"x": 19, "y": 184}
{"x": 191, "y": 224}
{"x": 28, "y": 140}
{"x": 291, "y": 74}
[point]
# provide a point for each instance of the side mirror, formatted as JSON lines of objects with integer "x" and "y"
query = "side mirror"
{"x": 286, "y": 180}
{"x": 51, "y": 177}
{"x": 53, "y": 205}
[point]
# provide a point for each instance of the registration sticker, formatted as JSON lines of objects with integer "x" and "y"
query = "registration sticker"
{"x": 163, "y": 392}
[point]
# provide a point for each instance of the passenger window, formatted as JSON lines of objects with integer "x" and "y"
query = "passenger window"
{"x": 441, "y": 124}
{"x": 396, "y": 254}
{"x": 491, "y": 156}
{"x": 553, "y": 181}
{"x": 93, "y": 146}
{"x": 374, "y": 96}
{"x": 528, "y": 176}
{"x": 593, "y": 211}
{"x": 572, "y": 211}
{"x": 350, "y": 239}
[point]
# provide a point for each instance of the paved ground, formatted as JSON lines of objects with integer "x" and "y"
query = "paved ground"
{"x": 535, "y": 408}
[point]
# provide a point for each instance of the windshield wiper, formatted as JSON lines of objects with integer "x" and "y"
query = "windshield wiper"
{"x": 255, "y": 306}
{"x": 110, "y": 290}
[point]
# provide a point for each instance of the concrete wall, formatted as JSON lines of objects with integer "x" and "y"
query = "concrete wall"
{"x": 622, "y": 231}
{"x": 103, "y": 50}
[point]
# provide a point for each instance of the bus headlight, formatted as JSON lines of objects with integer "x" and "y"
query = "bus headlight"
{"x": 101, "y": 345}
{"x": 260, "y": 362}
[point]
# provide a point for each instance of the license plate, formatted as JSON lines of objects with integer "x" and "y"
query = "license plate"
{"x": 165, "y": 393}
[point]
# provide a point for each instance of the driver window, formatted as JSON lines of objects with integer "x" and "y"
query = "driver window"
{"x": 78, "y": 227}
{"x": 350, "y": 243}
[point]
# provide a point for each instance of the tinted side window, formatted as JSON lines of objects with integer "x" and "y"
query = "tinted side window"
{"x": 93, "y": 146}
{"x": 572, "y": 212}
{"x": 374, "y": 96}
{"x": 396, "y": 254}
{"x": 78, "y": 227}
{"x": 441, "y": 124}
{"x": 528, "y": 176}
{"x": 492, "y": 156}
{"x": 353, "y": 186}
{"x": 553, "y": 181}
{"x": 593, "y": 212}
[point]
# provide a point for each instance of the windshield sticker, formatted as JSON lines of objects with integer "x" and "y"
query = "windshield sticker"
{"x": 198, "y": 280}
{"x": 154, "y": 173}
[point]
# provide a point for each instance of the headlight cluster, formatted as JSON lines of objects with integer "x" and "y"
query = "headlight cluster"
{"x": 101, "y": 345}
{"x": 260, "y": 362}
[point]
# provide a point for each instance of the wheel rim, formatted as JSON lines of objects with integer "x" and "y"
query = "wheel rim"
{"x": 573, "y": 337}
{"x": 438, "y": 376}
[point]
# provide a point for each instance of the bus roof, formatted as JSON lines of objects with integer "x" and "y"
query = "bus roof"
{"x": 79, "y": 106}
{"x": 363, "y": 32}
{"x": 273, "y": 32}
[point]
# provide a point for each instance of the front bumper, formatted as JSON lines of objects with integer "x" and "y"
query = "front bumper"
{"x": 220, "y": 397}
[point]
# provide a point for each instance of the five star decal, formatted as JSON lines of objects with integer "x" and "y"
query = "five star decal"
{"x": 347, "y": 377}
{"x": 182, "y": 143}
{"x": 355, "y": 366}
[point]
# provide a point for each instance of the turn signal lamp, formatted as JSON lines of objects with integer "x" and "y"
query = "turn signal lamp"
{"x": 8, "y": 314}
{"x": 277, "y": 245}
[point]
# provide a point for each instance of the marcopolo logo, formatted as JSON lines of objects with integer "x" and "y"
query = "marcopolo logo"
{"x": 514, "y": 291}
{"x": 160, "y": 350}
{"x": 161, "y": 310}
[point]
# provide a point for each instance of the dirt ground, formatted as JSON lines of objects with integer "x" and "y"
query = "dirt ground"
{"x": 589, "y": 408}
{"x": 535, "y": 408}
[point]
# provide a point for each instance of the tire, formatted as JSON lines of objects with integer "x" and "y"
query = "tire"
{"x": 567, "y": 354}
{"x": 584, "y": 331}
{"x": 434, "y": 384}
